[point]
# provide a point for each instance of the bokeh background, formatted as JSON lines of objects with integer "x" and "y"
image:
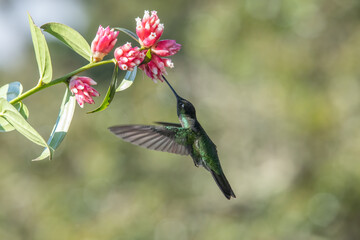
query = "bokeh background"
{"x": 275, "y": 84}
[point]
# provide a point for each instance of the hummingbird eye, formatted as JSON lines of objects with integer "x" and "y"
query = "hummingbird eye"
{"x": 182, "y": 105}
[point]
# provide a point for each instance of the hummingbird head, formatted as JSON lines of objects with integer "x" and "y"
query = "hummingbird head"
{"x": 184, "y": 107}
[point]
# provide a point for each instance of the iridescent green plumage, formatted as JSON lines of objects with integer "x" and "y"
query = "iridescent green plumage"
{"x": 189, "y": 138}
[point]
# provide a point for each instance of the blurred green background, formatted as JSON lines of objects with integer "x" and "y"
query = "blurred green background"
{"x": 275, "y": 84}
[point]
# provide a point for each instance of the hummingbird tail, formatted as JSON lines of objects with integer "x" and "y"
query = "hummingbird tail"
{"x": 223, "y": 184}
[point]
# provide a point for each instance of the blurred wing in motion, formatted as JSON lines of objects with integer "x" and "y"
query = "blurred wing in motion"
{"x": 160, "y": 138}
{"x": 169, "y": 124}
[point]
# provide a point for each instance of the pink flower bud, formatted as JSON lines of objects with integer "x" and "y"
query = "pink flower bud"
{"x": 156, "y": 67}
{"x": 149, "y": 29}
{"x": 166, "y": 48}
{"x": 128, "y": 57}
{"x": 103, "y": 43}
{"x": 80, "y": 86}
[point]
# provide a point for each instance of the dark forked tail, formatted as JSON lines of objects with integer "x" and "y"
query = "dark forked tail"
{"x": 223, "y": 184}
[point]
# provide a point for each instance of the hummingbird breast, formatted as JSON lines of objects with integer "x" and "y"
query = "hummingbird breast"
{"x": 205, "y": 153}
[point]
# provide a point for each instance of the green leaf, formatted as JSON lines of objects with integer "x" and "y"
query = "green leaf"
{"x": 128, "y": 80}
{"x": 24, "y": 111}
{"x": 11, "y": 115}
{"x": 70, "y": 37}
{"x": 147, "y": 58}
{"x": 110, "y": 93}
{"x": 5, "y": 126}
{"x": 128, "y": 32}
{"x": 41, "y": 52}
{"x": 62, "y": 124}
{"x": 9, "y": 92}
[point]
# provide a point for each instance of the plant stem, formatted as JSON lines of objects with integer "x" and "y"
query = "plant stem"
{"x": 63, "y": 79}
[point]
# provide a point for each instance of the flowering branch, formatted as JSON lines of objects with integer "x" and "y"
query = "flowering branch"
{"x": 63, "y": 79}
{"x": 149, "y": 57}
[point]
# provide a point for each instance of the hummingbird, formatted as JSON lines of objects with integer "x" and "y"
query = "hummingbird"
{"x": 186, "y": 138}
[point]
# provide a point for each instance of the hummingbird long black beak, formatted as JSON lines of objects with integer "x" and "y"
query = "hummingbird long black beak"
{"x": 172, "y": 89}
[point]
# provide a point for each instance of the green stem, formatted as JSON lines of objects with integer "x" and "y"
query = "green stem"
{"x": 63, "y": 79}
{"x": 129, "y": 33}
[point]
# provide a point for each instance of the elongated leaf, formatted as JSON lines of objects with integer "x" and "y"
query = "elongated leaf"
{"x": 9, "y": 92}
{"x": 110, "y": 93}
{"x": 24, "y": 111}
{"x": 5, "y": 126}
{"x": 128, "y": 32}
{"x": 70, "y": 37}
{"x": 128, "y": 80}
{"x": 41, "y": 52}
{"x": 62, "y": 124}
{"x": 11, "y": 115}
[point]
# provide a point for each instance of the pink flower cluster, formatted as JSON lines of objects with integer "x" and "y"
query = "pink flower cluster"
{"x": 80, "y": 86}
{"x": 103, "y": 43}
{"x": 156, "y": 67}
{"x": 149, "y": 30}
{"x": 128, "y": 57}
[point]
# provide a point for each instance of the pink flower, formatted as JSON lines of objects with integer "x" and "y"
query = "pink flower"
{"x": 166, "y": 48}
{"x": 80, "y": 86}
{"x": 128, "y": 57}
{"x": 103, "y": 43}
{"x": 156, "y": 67}
{"x": 149, "y": 29}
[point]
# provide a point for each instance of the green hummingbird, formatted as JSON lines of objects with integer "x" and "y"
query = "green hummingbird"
{"x": 187, "y": 138}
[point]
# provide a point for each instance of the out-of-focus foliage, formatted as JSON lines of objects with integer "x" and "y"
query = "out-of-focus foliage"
{"x": 276, "y": 86}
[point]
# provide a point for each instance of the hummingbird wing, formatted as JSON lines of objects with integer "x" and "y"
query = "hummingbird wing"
{"x": 160, "y": 138}
{"x": 170, "y": 124}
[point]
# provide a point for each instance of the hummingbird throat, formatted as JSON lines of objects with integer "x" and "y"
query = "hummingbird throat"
{"x": 186, "y": 121}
